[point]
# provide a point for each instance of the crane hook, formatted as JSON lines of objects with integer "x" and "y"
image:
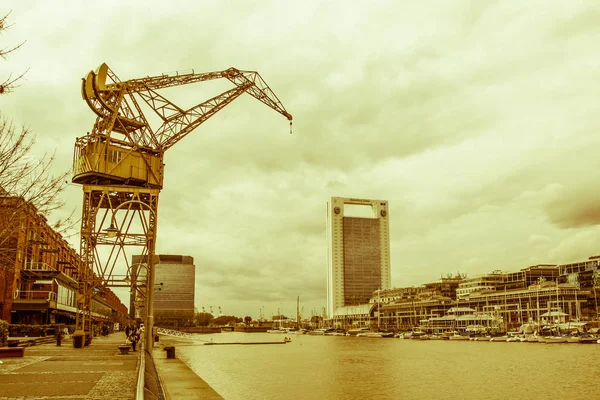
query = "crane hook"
{"x": 290, "y": 127}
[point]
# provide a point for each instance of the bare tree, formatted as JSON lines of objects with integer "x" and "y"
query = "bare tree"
{"x": 27, "y": 184}
{"x": 9, "y": 83}
{"x": 25, "y": 176}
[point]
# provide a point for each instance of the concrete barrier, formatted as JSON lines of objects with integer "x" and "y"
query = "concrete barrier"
{"x": 170, "y": 351}
{"x": 12, "y": 352}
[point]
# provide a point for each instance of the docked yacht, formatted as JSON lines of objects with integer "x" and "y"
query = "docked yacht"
{"x": 355, "y": 332}
{"x": 376, "y": 334}
{"x": 320, "y": 331}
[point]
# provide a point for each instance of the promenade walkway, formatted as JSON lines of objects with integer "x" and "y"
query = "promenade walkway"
{"x": 49, "y": 371}
{"x": 98, "y": 372}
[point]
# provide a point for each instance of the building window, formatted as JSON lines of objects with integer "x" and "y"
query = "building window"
{"x": 115, "y": 156}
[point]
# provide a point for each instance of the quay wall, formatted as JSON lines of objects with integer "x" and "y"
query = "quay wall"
{"x": 200, "y": 329}
{"x": 251, "y": 329}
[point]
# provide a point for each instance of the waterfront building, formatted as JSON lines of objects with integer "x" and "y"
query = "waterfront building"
{"x": 356, "y": 316}
{"x": 512, "y": 307}
{"x": 523, "y": 305}
{"x": 538, "y": 294}
{"x": 461, "y": 319}
{"x": 392, "y": 295}
{"x": 584, "y": 274}
{"x": 358, "y": 252}
{"x": 38, "y": 271}
{"x": 479, "y": 283}
{"x": 446, "y": 286}
{"x": 498, "y": 280}
{"x": 529, "y": 276}
{"x": 407, "y": 313}
{"x": 175, "y": 281}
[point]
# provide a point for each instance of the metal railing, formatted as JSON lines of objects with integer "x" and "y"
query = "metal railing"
{"x": 139, "y": 390}
{"x": 171, "y": 332}
{"x": 36, "y": 295}
{"x": 31, "y": 265}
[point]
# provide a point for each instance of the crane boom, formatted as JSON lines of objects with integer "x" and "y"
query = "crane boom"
{"x": 260, "y": 90}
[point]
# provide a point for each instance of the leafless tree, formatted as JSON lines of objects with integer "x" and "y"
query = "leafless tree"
{"x": 26, "y": 176}
{"x": 8, "y": 84}
{"x": 27, "y": 183}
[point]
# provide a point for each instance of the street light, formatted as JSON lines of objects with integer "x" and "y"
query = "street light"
{"x": 111, "y": 231}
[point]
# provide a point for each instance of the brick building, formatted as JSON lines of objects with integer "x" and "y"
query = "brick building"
{"x": 38, "y": 270}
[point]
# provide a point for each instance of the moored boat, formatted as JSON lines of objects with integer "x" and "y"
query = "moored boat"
{"x": 320, "y": 331}
{"x": 457, "y": 336}
{"x": 356, "y": 331}
{"x": 587, "y": 339}
{"x": 376, "y": 334}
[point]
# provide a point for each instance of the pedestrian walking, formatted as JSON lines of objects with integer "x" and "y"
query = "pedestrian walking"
{"x": 134, "y": 338}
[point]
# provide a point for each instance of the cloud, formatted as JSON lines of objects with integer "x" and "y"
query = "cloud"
{"x": 539, "y": 240}
{"x": 576, "y": 206}
{"x": 477, "y": 121}
{"x": 575, "y": 245}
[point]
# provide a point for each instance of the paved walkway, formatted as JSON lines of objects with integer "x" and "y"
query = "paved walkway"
{"x": 48, "y": 371}
{"x": 98, "y": 371}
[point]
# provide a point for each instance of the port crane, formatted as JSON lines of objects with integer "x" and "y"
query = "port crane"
{"x": 120, "y": 165}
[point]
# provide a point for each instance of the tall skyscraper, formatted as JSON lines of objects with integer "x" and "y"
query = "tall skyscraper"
{"x": 358, "y": 252}
{"x": 177, "y": 275}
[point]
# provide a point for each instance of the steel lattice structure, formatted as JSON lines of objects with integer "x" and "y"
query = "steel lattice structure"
{"x": 120, "y": 165}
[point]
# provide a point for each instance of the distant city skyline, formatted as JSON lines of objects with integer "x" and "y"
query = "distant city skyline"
{"x": 477, "y": 121}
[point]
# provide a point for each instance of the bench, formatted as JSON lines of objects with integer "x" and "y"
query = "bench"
{"x": 12, "y": 352}
{"x": 124, "y": 348}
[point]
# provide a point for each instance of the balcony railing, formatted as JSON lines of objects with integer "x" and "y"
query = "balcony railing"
{"x": 38, "y": 266}
{"x": 37, "y": 295}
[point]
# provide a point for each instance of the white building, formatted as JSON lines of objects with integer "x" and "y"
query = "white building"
{"x": 479, "y": 283}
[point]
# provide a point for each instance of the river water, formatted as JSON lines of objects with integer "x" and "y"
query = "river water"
{"x": 330, "y": 367}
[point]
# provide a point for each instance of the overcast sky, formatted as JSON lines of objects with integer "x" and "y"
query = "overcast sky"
{"x": 477, "y": 120}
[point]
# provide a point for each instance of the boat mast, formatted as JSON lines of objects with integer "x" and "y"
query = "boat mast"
{"x": 297, "y": 312}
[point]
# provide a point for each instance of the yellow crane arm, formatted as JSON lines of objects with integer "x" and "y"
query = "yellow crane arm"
{"x": 108, "y": 99}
